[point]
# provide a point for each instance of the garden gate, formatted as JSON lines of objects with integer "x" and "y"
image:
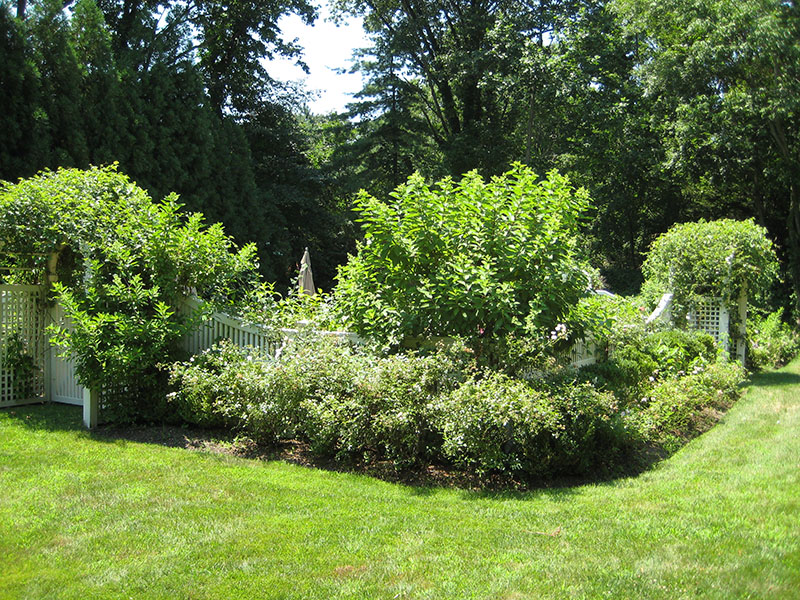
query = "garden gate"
{"x": 30, "y": 368}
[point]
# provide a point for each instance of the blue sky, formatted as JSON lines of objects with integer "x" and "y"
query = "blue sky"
{"x": 327, "y": 47}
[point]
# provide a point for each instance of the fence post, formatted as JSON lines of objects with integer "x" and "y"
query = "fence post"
{"x": 741, "y": 341}
{"x": 91, "y": 405}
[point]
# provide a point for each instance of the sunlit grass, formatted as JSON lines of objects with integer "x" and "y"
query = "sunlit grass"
{"x": 84, "y": 517}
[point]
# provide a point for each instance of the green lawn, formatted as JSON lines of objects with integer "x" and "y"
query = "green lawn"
{"x": 82, "y": 517}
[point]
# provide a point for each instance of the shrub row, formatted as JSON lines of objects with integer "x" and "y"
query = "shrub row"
{"x": 412, "y": 409}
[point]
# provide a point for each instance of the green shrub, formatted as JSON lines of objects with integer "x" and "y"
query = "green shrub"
{"x": 771, "y": 342}
{"x": 634, "y": 366}
{"x": 677, "y": 351}
{"x": 626, "y": 374}
{"x": 352, "y": 405}
{"x": 465, "y": 258}
{"x": 227, "y": 386}
{"x": 345, "y": 402}
{"x": 377, "y": 405}
{"x": 680, "y": 408}
{"x": 502, "y": 424}
{"x": 131, "y": 261}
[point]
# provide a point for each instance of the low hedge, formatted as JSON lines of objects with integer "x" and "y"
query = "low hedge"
{"x": 413, "y": 409}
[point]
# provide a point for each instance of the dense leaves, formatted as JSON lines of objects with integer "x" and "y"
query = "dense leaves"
{"x": 721, "y": 259}
{"x": 725, "y": 83}
{"x": 132, "y": 262}
{"x": 472, "y": 257}
{"x": 176, "y": 93}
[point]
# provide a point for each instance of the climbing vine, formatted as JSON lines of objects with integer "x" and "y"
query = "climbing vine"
{"x": 129, "y": 262}
{"x": 721, "y": 259}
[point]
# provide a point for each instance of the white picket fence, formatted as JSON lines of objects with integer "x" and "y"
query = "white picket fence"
{"x": 24, "y": 315}
{"x": 220, "y": 326}
{"x": 583, "y": 352}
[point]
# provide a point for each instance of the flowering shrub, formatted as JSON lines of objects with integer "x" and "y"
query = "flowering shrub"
{"x": 771, "y": 342}
{"x": 448, "y": 406}
{"x": 502, "y": 424}
{"x": 680, "y": 408}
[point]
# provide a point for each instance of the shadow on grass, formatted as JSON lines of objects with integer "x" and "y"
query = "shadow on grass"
{"x": 46, "y": 416}
{"x": 422, "y": 481}
{"x": 774, "y": 379}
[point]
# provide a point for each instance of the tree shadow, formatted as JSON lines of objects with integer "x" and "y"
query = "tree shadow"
{"x": 47, "y": 416}
{"x": 424, "y": 480}
{"x": 774, "y": 379}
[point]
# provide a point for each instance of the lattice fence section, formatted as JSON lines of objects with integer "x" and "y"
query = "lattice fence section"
{"x": 64, "y": 386}
{"x": 710, "y": 315}
{"x": 21, "y": 340}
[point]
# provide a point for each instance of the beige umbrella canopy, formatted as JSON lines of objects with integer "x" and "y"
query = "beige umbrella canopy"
{"x": 305, "y": 282}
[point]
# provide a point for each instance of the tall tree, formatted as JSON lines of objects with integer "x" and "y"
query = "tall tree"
{"x": 459, "y": 60}
{"x": 726, "y": 78}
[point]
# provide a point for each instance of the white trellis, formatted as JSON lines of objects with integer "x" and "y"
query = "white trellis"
{"x": 22, "y": 322}
{"x": 711, "y": 315}
{"x": 24, "y": 316}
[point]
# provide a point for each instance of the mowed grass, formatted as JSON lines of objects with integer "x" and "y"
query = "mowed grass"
{"x": 83, "y": 517}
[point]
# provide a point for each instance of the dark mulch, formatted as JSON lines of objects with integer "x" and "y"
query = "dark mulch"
{"x": 299, "y": 453}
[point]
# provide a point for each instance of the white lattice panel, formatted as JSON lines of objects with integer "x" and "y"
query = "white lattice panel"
{"x": 708, "y": 316}
{"x": 22, "y": 317}
{"x": 64, "y": 386}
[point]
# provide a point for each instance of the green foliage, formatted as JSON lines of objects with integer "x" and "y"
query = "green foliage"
{"x": 681, "y": 408}
{"x": 676, "y": 352}
{"x": 466, "y": 258}
{"x": 19, "y": 361}
{"x": 771, "y": 342}
{"x": 499, "y": 424}
{"x": 136, "y": 260}
{"x": 264, "y": 306}
{"x": 344, "y": 403}
{"x": 493, "y": 408}
{"x": 725, "y": 78}
{"x": 153, "y": 87}
{"x": 230, "y": 386}
{"x": 721, "y": 259}
{"x": 637, "y": 363}
{"x": 378, "y": 407}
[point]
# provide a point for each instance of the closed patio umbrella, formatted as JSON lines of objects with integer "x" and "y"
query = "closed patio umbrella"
{"x": 305, "y": 282}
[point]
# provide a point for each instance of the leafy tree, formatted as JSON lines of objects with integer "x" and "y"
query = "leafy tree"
{"x": 386, "y": 135}
{"x": 295, "y": 200}
{"x": 466, "y": 258}
{"x": 459, "y": 61}
{"x": 726, "y": 80}
{"x": 126, "y": 81}
{"x": 20, "y": 129}
{"x": 601, "y": 134}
